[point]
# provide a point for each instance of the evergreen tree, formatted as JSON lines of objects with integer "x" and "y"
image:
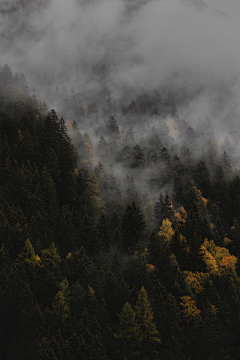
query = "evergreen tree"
{"x": 164, "y": 155}
{"x": 137, "y": 158}
{"x": 103, "y": 233}
{"x": 133, "y": 227}
{"x": 163, "y": 210}
{"x": 112, "y": 127}
{"x": 102, "y": 149}
{"x": 186, "y": 155}
{"x": 132, "y": 108}
{"x": 125, "y": 155}
{"x": 60, "y": 304}
{"x": 128, "y": 333}
{"x": 202, "y": 178}
{"x": 149, "y": 336}
{"x": 6, "y": 82}
{"x": 92, "y": 197}
{"x": 225, "y": 163}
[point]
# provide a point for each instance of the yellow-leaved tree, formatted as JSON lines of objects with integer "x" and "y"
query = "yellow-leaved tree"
{"x": 166, "y": 231}
{"x": 189, "y": 310}
{"x": 196, "y": 280}
{"x": 218, "y": 260}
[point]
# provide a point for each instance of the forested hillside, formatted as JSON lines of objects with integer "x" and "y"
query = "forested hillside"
{"x": 123, "y": 244}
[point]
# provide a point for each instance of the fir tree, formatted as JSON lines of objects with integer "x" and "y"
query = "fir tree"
{"x": 133, "y": 227}
{"x": 102, "y": 149}
{"x": 202, "y": 178}
{"x": 149, "y": 336}
{"x": 137, "y": 158}
{"x": 103, "y": 233}
{"x": 112, "y": 127}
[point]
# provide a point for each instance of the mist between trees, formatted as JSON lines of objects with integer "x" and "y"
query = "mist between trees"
{"x": 119, "y": 211}
{"x": 93, "y": 262}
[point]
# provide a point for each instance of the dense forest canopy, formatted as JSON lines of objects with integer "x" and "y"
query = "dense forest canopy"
{"x": 120, "y": 183}
{"x": 92, "y": 264}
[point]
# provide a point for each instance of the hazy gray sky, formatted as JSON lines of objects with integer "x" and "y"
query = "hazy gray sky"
{"x": 138, "y": 49}
{"x": 230, "y": 7}
{"x": 175, "y": 43}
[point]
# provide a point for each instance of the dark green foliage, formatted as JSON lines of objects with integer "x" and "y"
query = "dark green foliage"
{"x": 88, "y": 236}
{"x": 103, "y": 233}
{"x": 112, "y": 126}
{"x": 164, "y": 155}
{"x": 163, "y": 210}
{"x": 202, "y": 178}
{"x": 167, "y": 319}
{"x": 80, "y": 277}
{"x": 137, "y": 331}
{"x": 102, "y": 149}
{"x": 137, "y": 158}
{"x": 133, "y": 227}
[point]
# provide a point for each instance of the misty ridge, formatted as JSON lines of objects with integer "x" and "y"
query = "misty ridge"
{"x": 164, "y": 70}
{"x": 120, "y": 180}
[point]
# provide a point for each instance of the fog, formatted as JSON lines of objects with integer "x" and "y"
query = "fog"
{"x": 185, "y": 44}
{"x": 146, "y": 50}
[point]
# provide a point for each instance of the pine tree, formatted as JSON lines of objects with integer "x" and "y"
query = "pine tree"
{"x": 88, "y": 236}
{"x": 50, "y": 258}
{"x": 168, "y": 321}
{"x": 235, "y": 237}
{"x": 225, "y": 163}
{"x": 181, "y": 250}
{"x": 128, "y": 333}
{"x": 112, "y": 127}
{"x": 51, "y": 132}
{"x": 128, "y": 137}
{"x": 28, "y": 257}
{"x": 164, "y": 209}
{"x": 149, "y": 336}
{"x": 133, "y": 227}
{"x": 125, "y": 156}
{"x": 164, "y": 155}
{"x": 220, "y": 192}
{"x": 102, "y": 149}
{"x": 130, "y": 191}
{"x": 137, "y": 158}
{"x": 186, "y": 155}
{"x": 60, "y": 304}
{"x": 103, "y": 233}
{"x": 6, "y": 82}
{"x": 92, "y": 197}
{"x": 132, "y": 108}
{"x": 65, "y": 233}
{"x": 202, "y": 178}
{"x": 116, "y": 293}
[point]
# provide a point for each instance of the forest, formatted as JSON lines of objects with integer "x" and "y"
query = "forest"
{"x": 121, "y": 242}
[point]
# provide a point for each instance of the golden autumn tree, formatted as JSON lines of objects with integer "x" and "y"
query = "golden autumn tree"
{"x": 181, "y": 216}
{"x": 166, "y": 232}
{"x": 195, "y": 281}
{"x": 218, "y": 260}
{"x": 69, "y": 126}
{"x": 189, "y": 310}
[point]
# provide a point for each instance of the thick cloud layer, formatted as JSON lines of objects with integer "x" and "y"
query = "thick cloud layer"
{"x": 129, "y": 47}
{"x": 139, "y": 46}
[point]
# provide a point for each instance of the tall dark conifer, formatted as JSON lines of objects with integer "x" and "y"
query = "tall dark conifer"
{"x": 133, "y": 227}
